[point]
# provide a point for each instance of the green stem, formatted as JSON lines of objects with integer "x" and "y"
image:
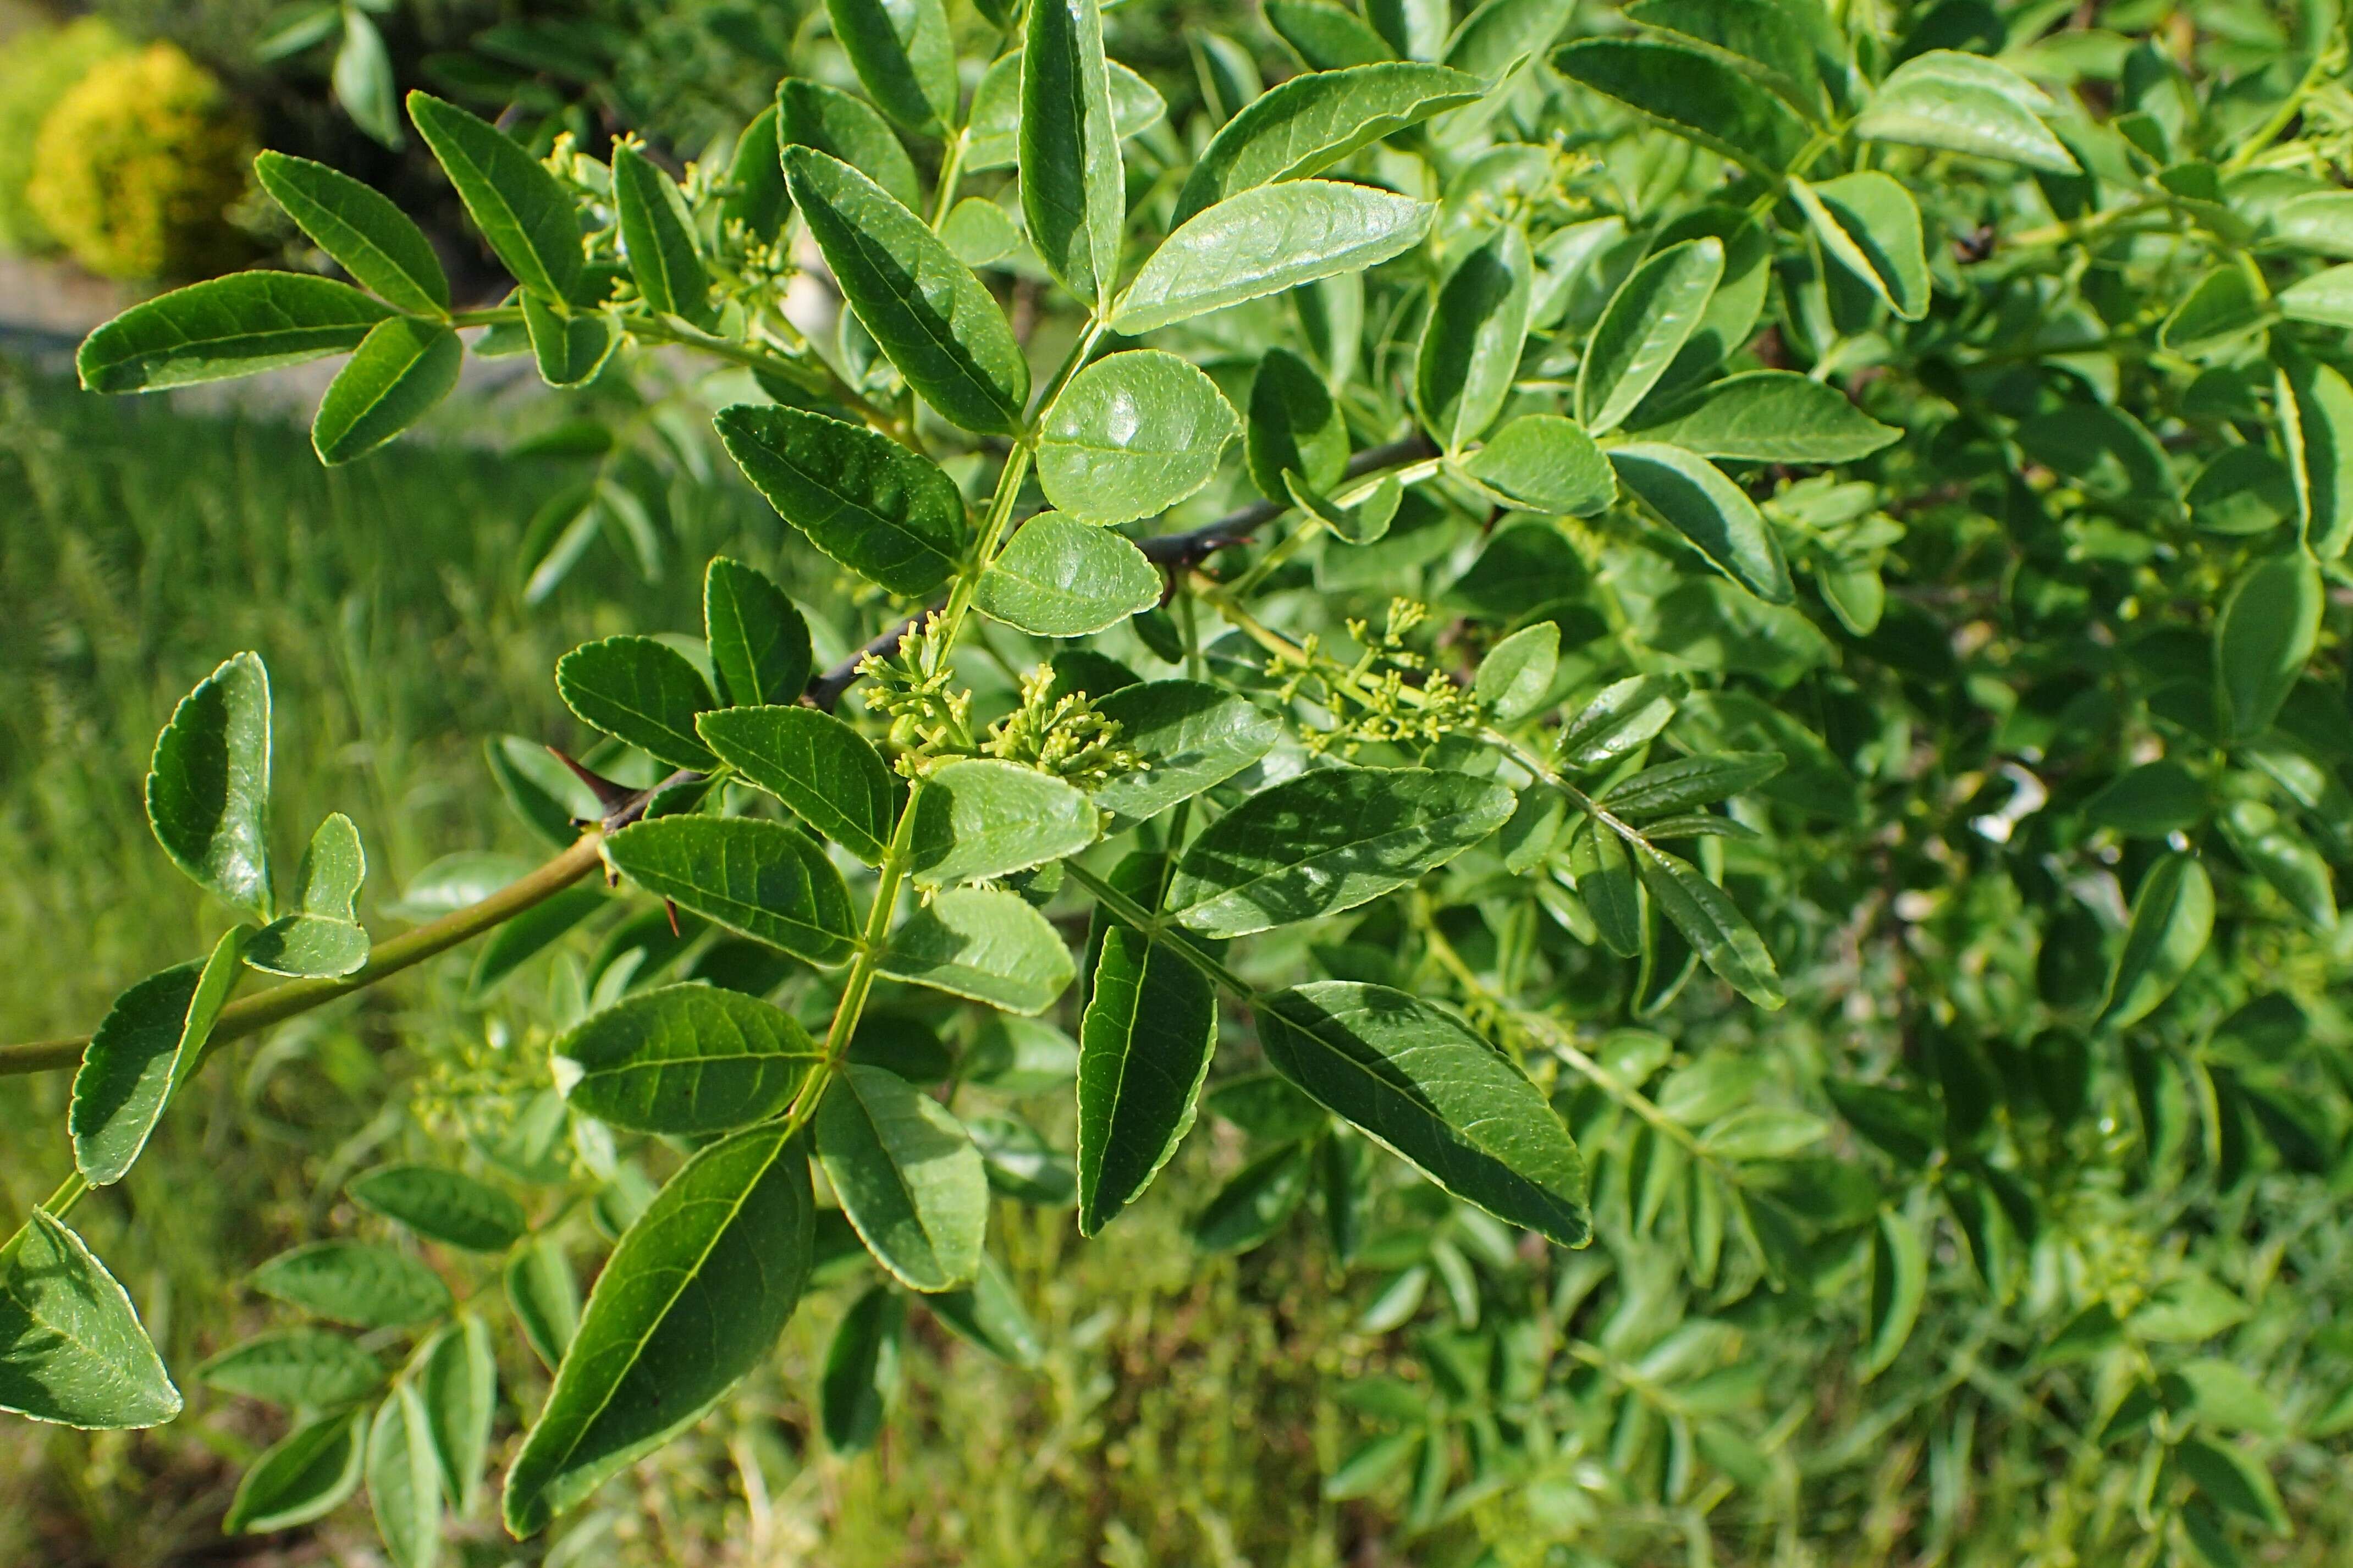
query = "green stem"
{"x": 950, "y": 170}
{"x": 256, "y": 1013}
{"x": 1130, "y": 913}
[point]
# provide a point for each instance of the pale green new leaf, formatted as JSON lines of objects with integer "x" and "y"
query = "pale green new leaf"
{"x": 1544, "y": 463}
{"x": 71, "y": 1348}
{"x": 1133, "y": 435}
{"x": 1265, "y": 240}
{"x": 208, "y": 785}
{"x": 1060, "y": 577}
{"x": 980, "y": 818}
{"x": 403, "y": 368}
{"x": 322, "y": 936}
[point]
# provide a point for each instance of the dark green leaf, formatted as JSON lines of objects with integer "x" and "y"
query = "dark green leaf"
{"x": 980, "y": 818}
{"x": 1315, "y": 120}
{"x": 1871, "y": 226}
{"x": 1690, "y": 782}
{"x": 2172, "y": 915}
{"x": 296, "y": 1368}
{"x": 1248, "y": 1210}
{"x": 1470, "y": 345}
{"x": 518, "y": 204}
{"x": 811, "y": 114}
{"x": 403, "y": 1482}
{"x": 302, "y": 1477}
{"x": 209, "y": 785}
{"x": 762, "y": 878}
{"x": 71, "y": 1348}
{"x": 1022, "y": 1164}
{"x": 370, "y": 237}
{"x": 658, "y": 236}
{"x": 1692, "y": 496}
{"x": 1605, "y": 881}
{"x": 759, "y": 642}
{"x": 442, "y": 1205}
{"x": 1770, "y": 416}
{"x": 1696, "y": 95}
{"x": 1294, "y": 427}
{"x": 402, "y": 369}
{"x": 989, "y": 1314}
{"x": 1966, "y": 103}
{"x": 1647, "y": 322}
{"x": 1622, "y": 718}
{"x": 1073, "y": 192}
{"x": 985, "y": 943}
{"x": 230, "y": 326}
{"x": 2264, "y": 638}
{"x": 1133, "y": 435}
{"x": 149, "y": 1041}
{"x": 757, "y": 198}
{"x": 1711, "y": 922}
{"x": 1192, "y": 735}
{"x": 907, "y": 1176}
{"x": 641, "y": 691}
{"x": 1060, "y": 577}
{"x": 1518, "y": 671}
{"x": 827, "y": 771}
{"x": 880, "y": 509}
{"x": 355, "y": 1283}
{"x": 458, "y": 1380}
{"x": 691, "y": 1300}
{"x": 1327, "y": 36}
{"x": 322, "y": 936}
{"x": 544, "y": 1299}
{"x": 570, "y": 347}
{"x": 861, "y": 1366}
{"x": 903, "y": 55}
{"x": 684, "y": 1059}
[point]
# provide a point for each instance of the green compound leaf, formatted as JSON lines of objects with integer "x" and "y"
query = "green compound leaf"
{"x": 403, "y": 369}
{"x": 1871, "y": 226}
{"x": 209, "y": 785}
{"x": 1315, "y": 120}
{"x": 691, "y": 1300}
{"x": 1265, "y": 240}
{"x": 811, "y": 114}
{"x": 304, "y": 1476}
{"x": 827, "y": 773}
{"x": 231, "y": 326}
{"x": 71, "y": 1349}
{"x": 403, "y": 1484}
{"x": 1770, "y": 416}
{"x": 1328, "y": 841}
{"x": 1471, "y": 347}
{"x": 1192, "y": 736}
{"x": 868, "y": 502}
{"x": 2266, "y": 637}
{"x": 684, "y": 1059}
{"x": 862, "y": 1367}
{"x": 2172, "y": 916}
{"x": 1693, "y": 496}
{"x": 521, "y": 209}
{"x": 442, "y": 1205}
{"x": 642, "y": 692}
{"x": 983, "y": 943}
{"x": 371, "y": 238}
{"x": 981, "y": 818}
{"x": 295, "y": 1368}
{"x": 1060, "y": 577}
{"x": 322, "y": 936}
{"x": 352, "y": 1282}
{"x": 1073, "y": 191}
{"x": 1416, "y": 1080}
{"x": 144, "y": 1049}
{"x": 1649, "y": 320}
{"x": 657, "y": 235}
{"x": 763, "y": 879}
{"x": 1133, "y": 435}
{"x": 923, "y": 306}
{"x": 457, "y": 1376}
{"x": 1959, "y": 102}
{"x": 1542, "y": 462}
{"x": 1145, "y": 1045}
{"x": 904, "y": 57}
{"x": 907, "y": 1176}
{"x": 759, "y": 642}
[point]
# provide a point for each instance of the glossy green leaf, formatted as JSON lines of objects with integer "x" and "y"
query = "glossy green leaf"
{"x": 2224, "y": 305}
{"x": 1294, "y": 426}
{"x": 684, "y": 1059}
{"x": 691, "y": 1300}
{"x": 1417, "y": 1080}
{"x": 641, "y": 691}
{"x": 862, "y": 1370}
{"x": 442, "y": 1205}
{"x": 1307, "y": 124}
{"x": 1770, "y": 416}
{"x": 1544, "y": 463}
{"x": 1327, "y": 841}
{"x": 303, "y": 1475}
{"x": 980, "y": 818}
{"x": 658, "y": 238}
{"x": 458, "y": 1381}
{"x": 1193, "y": 736}
{"x": 1788, "y": 46}
{"x": 763, "y": 879}
{"x": 1692, "y": 496}
{"x": 1250, "y": 1208}
{"x": 297, "y": 1368}
{"x": 1648, "y": 321}
{"x": 759, "y": 642}
{"x": 71, "y": 1348}
{"x": 1711, "y": 922}
{"x": 979, "y": 233}
{"x": 2172, "y": 916}
{"x": 231, "y": 326}
{"x": 1688, "y": 783}
{"x": 148, "y": 1044}
{"x": 1624, "y": 716}
{"x": 1959, "y": 102}
{"x": 1470, "y": 345}
{"x": 208, "y": 785}
{"x": 827, "y": 773}
{"x": 2263, "y": 640}
{"x": 923, "y": 306}
{"x": 1265, "y": 240}
{"x": 570, "y": 347}
{"x": 811, "y": 114}
{"x": 518, "y": 204}
{"x": 1605, "y": 879}
{"x": 352, "y": 1282}
{"x": 1073, "y": 192}
{"x": 1696, "y": 95}
{"x": 403, "y": 368}
{"x": 867, "y": 502}
{"x": 1145, "y": 1044}
{"x": 907, "y": 1176}
{"x": 403, "y": 1484}
{"x": 1871, "y": 226}
{"x": 322, "y": 936}
{"x": 1518, "y": 671}
{"x": 1133, "y": 435}
{"x": 1326, "y": 36}
{"x": 360, "y": 227}
{"x": 1060, "y": 577}
{"x": 983, "y": 943}
{"x": 904, "y": 57}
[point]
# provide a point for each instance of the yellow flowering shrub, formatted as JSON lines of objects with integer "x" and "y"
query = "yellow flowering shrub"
{"x": 135, "y": 167}
{"x": 39, "y": 66}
